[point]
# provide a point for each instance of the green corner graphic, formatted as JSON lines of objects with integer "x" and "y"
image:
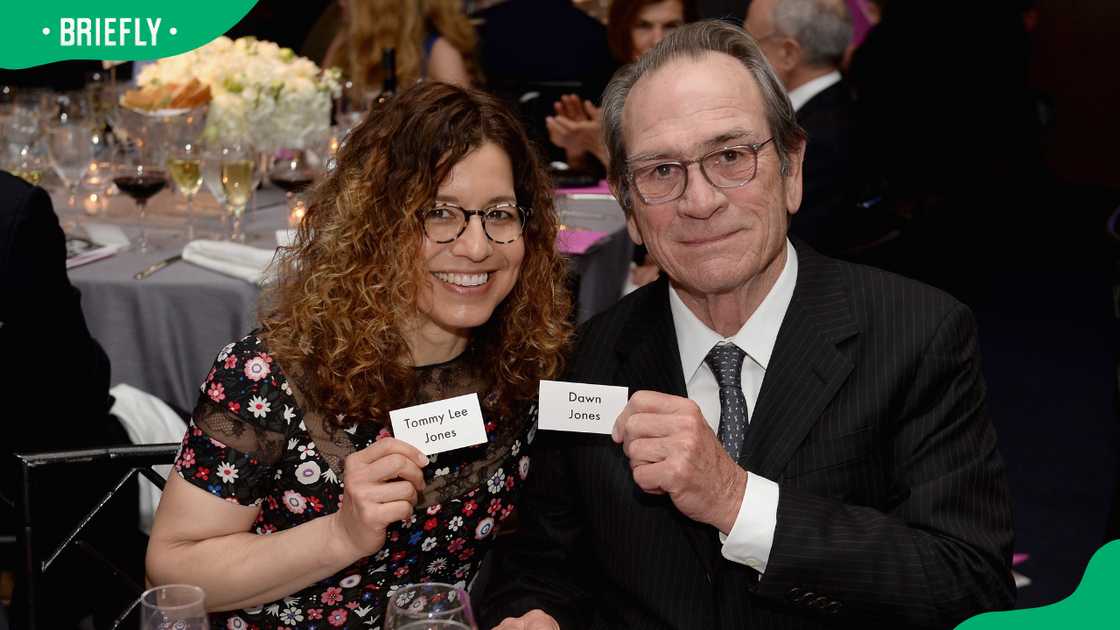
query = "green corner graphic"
{"x": 1091, "y": 606}
{"x": 34, "y": 33}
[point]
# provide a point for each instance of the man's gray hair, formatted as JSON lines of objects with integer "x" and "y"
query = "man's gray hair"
{"x": 822, "y": 27}
{"x": 694, "y": 41}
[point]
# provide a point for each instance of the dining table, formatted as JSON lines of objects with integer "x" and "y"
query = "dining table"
{"x": 162, "y": 332}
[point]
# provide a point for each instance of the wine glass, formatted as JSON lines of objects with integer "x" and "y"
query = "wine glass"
{"x": 70, "y": 146}
{"x": 435, "y": 624}
{"x": 140, "y": 177}
{"x": 291, "y": 172}
{"x": 238, "y": 167}
{"x": 173, "y": 607}
{"x": 428, "y": 602}
{"x": 184, "y": 163}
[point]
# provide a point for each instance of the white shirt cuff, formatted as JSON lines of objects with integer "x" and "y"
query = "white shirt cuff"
{"x": 752, "y": 535}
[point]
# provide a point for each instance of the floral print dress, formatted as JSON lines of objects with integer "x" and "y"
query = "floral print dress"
{"x": 251, "y": 443}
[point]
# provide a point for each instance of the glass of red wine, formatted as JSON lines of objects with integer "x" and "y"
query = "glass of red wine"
{"x": 141, "y": 178}
{"x": 291, "y": 172}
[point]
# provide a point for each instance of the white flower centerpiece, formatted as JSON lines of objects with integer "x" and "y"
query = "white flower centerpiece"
{"x": 263, "y": 94}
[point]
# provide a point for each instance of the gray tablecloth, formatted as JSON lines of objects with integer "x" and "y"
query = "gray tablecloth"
{"x": 162, "y": 333}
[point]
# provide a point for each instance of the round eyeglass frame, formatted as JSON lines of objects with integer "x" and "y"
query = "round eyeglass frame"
{"x": 755, "y": 149}
{"x": 523, "y": 213}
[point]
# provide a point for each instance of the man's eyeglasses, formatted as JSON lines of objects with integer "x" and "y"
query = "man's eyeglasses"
{"x": 729, "y": 167}
{"x": 502, "y": 222}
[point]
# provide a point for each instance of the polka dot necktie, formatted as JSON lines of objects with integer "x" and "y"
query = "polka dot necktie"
{"x": 726, "y": 362}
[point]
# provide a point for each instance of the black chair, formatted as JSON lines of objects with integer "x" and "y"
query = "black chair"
{"x": 38, "y": 555}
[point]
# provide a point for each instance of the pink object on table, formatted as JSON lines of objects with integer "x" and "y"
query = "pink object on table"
{"x": 577, "y": 241}
{"x": 599, "y": 189}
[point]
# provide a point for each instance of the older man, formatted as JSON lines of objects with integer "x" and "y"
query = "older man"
{"x": 805, "y": 443}
{"x": 804, "y": 41}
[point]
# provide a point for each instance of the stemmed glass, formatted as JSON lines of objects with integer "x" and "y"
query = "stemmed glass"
{"x": 184, "y": 162}
{"x": 428, "y": 603}
{"x": 70, "y": 146}
{"x": 140, "y": 177}
{"x": 212, "y": 177}
{"x": 173, "y": 607}
{"x": 238, "y": 167}
{"x": 291, "y": 172}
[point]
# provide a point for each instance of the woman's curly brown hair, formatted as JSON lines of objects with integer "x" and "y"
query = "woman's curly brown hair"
{"x": 348, "y": 286}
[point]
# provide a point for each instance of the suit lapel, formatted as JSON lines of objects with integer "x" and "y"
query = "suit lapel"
{"x": 806, "y": 369}
{"x": 650, "y": 359}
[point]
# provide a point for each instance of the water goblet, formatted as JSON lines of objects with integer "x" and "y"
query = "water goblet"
{"x": 173, "y": 607}
{"x": 428, "y": 602}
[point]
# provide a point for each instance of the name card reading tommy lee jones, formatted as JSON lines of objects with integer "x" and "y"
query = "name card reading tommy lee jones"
{"x": 441, "y": 425}
{"x": 580, "y": 407}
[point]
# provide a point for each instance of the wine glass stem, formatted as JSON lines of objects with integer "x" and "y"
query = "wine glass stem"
{"x": 141, "y": 207}
{"x": 190, "y": 217}
{"x": 236, "y": 213}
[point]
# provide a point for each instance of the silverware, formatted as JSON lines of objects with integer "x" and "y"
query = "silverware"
{"x": 156, "y": 267}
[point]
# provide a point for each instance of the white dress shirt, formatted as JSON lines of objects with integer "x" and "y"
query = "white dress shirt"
{"x": 802, "y": 93}
{"x": 752, "y": 536}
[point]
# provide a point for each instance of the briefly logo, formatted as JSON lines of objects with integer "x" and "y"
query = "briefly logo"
{"x": 109, "y": 31}
{"x": 34, "y": 33}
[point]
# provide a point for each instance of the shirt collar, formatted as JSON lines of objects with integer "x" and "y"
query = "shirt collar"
{"x": 803, "y": 93}
{"x": 756, "y": 337}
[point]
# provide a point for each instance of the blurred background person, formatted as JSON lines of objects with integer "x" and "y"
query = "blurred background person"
{"x": 58, "y": 375}
{"x": 534, "y": 51}
{"x": 432, "y": 39}
{"x": 805, "y": 41}
{"x": 633, "y": 27}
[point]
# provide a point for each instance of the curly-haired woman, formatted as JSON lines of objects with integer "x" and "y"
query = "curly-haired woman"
{"x": 424, "y": 269}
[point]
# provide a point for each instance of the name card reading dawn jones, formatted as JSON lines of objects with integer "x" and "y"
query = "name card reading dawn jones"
{"x": 580, "y": 407}
{"x": 441, "y": 425}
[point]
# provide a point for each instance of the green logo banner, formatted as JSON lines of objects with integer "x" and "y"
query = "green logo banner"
{"x": 1092, "y": 605}
{"x": 38, "y": 32}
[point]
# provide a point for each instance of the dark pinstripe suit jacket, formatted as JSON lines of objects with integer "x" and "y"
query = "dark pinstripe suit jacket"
{"x": 894, "y": 508}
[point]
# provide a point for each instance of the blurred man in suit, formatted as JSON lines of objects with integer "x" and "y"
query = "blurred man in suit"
{"x": 57, "y": 379}
{"x": 805, "y": 41}
{"x": 805, "y": 443}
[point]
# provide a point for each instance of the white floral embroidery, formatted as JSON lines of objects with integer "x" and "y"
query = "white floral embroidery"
{"x": 291, "y": 615}
{"x": 227, "y": 471}
{"x": 455, "y": 523}
{"x": 259, "y": 406}
{"x": 289, "y": 413}
{"x": 441, "y": 471}
{"x": 428, "y": 544}
{"x": 308, "y": 473}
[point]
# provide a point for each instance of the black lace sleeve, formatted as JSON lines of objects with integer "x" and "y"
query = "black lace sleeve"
{"x": 240, "y": 427}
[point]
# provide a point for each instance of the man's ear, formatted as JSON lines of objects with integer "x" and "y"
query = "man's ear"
{"x": 793, "y": 186}
{"x": 789, "y": 55}
{"x": 621, "y": 194}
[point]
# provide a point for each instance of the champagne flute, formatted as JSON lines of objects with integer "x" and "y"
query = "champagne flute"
{"x": 70, "y": 147}
{"x": 173, "y": 607}
{"x": 426, "y": 603}
{"x": 139, "y": 178}
{"x": 238, "y": 168}
{"x": 212, "y": 177}
{"x": 185, "y": 165}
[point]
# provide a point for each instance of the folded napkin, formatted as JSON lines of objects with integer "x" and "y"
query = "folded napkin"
{"x": 232, "y": 259}
{"x": 147, "y": 420}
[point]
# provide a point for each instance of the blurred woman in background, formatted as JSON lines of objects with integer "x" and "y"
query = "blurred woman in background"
{"x": 633, "y": 27}
{"x": 432, "y": 39}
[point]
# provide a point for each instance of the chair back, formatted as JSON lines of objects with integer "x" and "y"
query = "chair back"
{"x": 38, "y": 554}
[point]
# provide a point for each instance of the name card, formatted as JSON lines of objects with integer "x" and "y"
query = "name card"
{"x": 580, "y": 407}
{"x": 441, "y": 425}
